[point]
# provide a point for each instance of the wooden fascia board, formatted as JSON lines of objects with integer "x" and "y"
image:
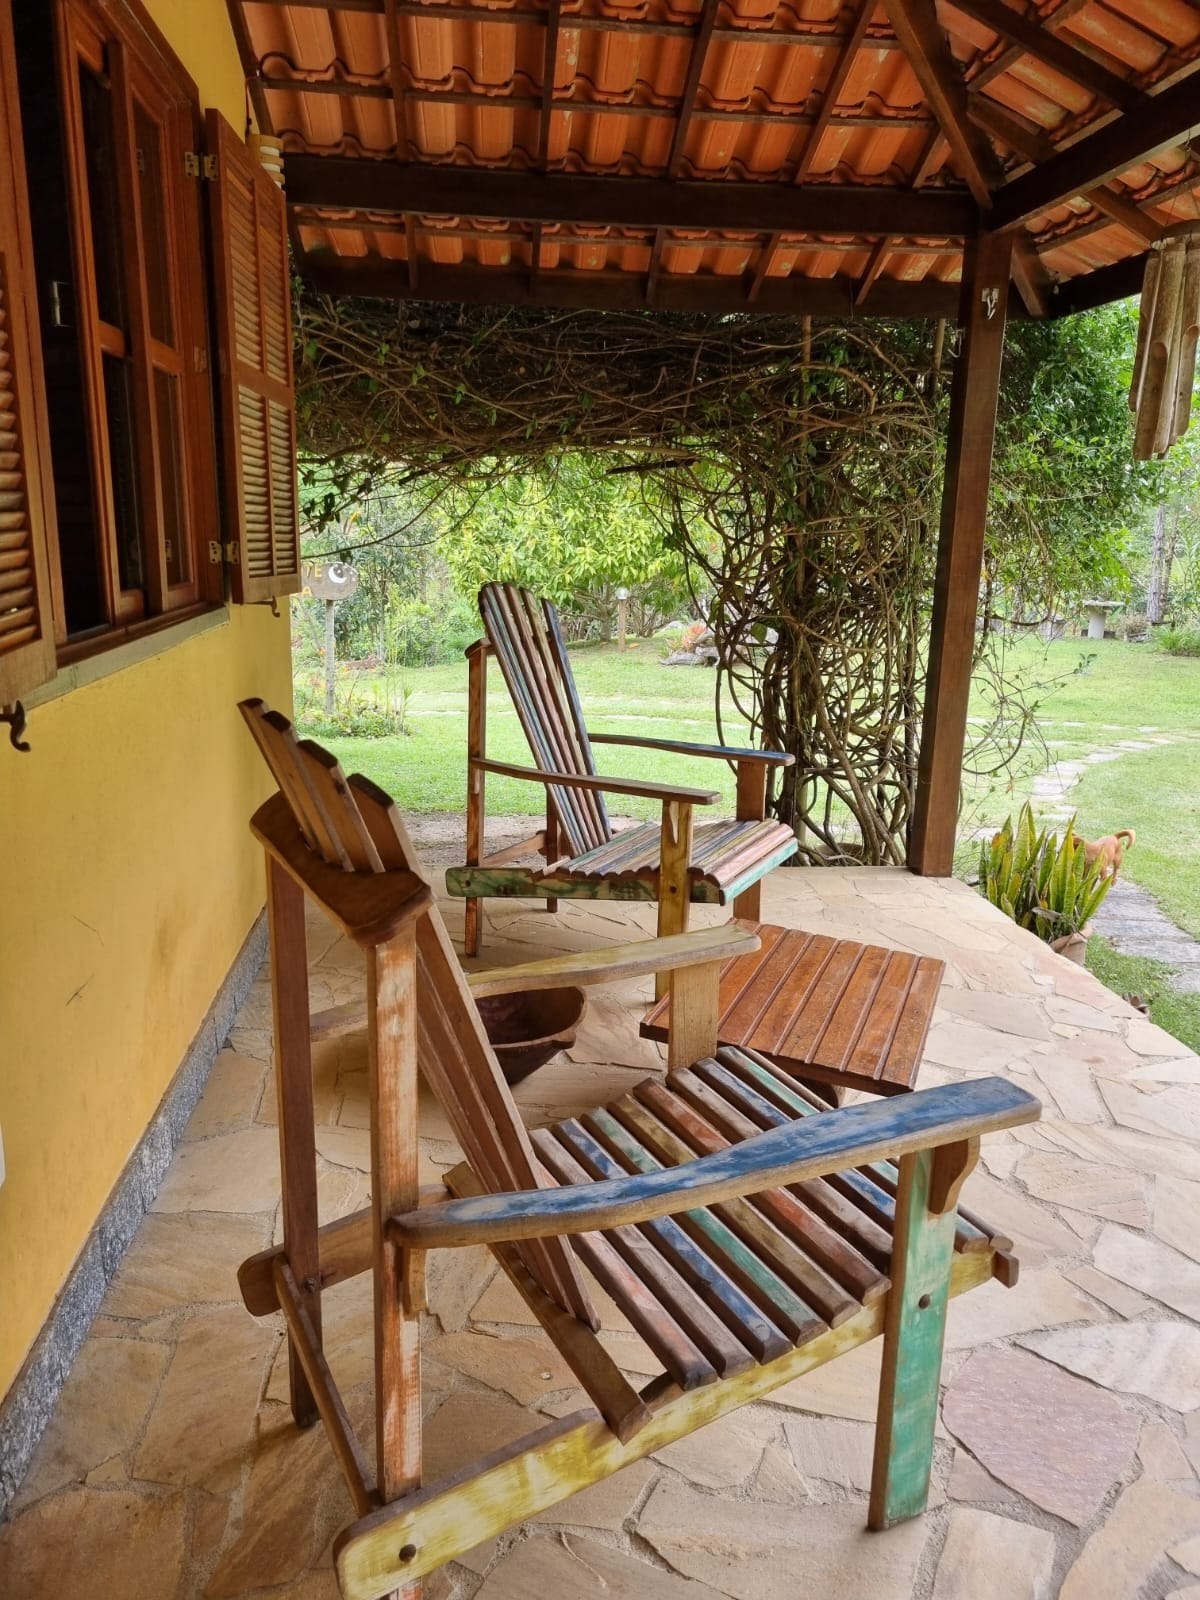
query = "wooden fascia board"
{"x": 929, "y": 55}
{"x": 376, "y": 278}
{"x": 1037, "y": 40}
{"x": 344, "y": 182}
{"x": 1158, "y": 122}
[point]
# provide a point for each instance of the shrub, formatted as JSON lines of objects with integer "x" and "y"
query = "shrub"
{"x": 1183, "y": 641}
{"x": 1041, "y": 884}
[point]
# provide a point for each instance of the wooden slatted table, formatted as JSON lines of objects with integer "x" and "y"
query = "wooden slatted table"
{"x": 829, "y": 1010}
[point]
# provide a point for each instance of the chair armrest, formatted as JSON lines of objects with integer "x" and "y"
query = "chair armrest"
{"x": 588, "y": 780}
{"x": 808, "y": 1148}
{"x": 671, "y": 954}
{"x": 681, "y": 747}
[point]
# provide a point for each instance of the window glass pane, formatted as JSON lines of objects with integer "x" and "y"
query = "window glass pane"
{"x": 100, "y": 155}
{"x": 170, "y": 467}
{"x": 118, "y": 407}
{"x": 152, "y": 191}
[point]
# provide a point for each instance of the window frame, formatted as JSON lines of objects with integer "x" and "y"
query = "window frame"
{"x": 115, "y": 43}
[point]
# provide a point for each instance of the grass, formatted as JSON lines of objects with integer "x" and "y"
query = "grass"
{"x": 1124, "y": 692}
{"x": 1156, "y": 793}
{"x": 1178, "y": 1014}
{"x": 631, "y": 693}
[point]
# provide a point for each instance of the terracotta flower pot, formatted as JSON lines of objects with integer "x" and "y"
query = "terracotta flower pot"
{"x": 1074, "y": 945}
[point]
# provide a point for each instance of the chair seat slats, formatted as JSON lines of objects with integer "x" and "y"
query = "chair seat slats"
{"x": 741, "y": 1316}
{"x": 835, "y": 1275}
{"x": 722, "y": 852}
{"x": 748, "y": 1271}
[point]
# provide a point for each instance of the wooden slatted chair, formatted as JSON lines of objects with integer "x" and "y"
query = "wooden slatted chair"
{"x": 674, "y": 863}
{"x": 748, "y": 1235}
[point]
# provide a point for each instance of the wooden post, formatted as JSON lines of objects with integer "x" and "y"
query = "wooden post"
{"x": 476, "y": 742}
{"x": 973, "y": 402}
{"x": 297, "y": 1134}
{"x": 622, "y": 621}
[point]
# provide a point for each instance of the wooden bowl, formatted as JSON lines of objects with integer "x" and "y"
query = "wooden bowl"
{"x": 529, "y": 1027}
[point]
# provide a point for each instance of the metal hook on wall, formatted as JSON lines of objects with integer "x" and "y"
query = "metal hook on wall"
{"x": 14, "y": 715}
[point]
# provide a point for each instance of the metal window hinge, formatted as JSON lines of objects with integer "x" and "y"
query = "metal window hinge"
{"x": 218, "y": 552}
{"x": 199, "y": 166}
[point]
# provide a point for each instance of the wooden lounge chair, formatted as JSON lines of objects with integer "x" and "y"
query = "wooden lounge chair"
{"x": 747, "y": 1235}
{"x": 675, "y": 863}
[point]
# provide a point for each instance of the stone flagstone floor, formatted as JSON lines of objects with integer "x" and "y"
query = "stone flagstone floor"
{"x": 1069, "y": 1449}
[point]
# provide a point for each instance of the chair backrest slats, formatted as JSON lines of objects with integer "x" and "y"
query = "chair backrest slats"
{"x": 524, "y": 633}
{"x": 353, "y": 824}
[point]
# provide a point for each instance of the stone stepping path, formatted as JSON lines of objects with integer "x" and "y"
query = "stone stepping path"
{"x": 1130, "y": 917}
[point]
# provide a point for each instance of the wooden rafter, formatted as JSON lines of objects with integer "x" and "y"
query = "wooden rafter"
{"x": 832, "y": 92}
{"x": 655, "y": 266}
{"x": 920, "y": 33}
{"x": 1009, "y": 57}
{"x": 1031, "y": 278}
{"x": 1036, "y": 39}
{"x": 687, "y": 100}
{"x": 871, "y": 272}
{"x": 829, "y": 99}
{"x": 549, "y": 62}
{"x": 1032, "y": 145}
{"x": 1159, "y": 122}
{"x": 344, "y": 183}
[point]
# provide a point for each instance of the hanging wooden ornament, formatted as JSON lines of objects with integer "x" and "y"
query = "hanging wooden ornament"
{"x": 1164, "y": 367}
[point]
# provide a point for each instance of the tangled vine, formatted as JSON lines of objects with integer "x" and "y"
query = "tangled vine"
{"x": 797, "y": 467}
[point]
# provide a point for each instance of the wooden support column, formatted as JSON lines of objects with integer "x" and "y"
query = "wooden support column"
{"x": 960, "y": 553}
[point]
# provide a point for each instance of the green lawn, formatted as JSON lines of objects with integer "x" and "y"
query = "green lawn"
{"x": 1179, "y": 1014}
{"x": 1124, "y": 690}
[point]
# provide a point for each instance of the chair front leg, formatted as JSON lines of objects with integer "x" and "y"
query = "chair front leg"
{"x": 674, "y": 877}
{"x": 751, "y": 807}
{"x": 476, "y": 743}
{"x": 297, "y": 1133}
{"x": 922, "y": 1257}
{"x": 551, "y": 848}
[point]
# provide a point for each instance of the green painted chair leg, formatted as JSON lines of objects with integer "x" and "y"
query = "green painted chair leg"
{"x": 922, "y": 1255}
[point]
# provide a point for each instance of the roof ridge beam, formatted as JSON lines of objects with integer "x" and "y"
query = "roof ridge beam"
{"x": 348, "y": 183}
{"x": 1158, "y": 122}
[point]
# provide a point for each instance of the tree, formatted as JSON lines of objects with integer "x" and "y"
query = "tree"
{"x": 575, "y": 530}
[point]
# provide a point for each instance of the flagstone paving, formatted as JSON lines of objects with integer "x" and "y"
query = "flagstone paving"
{"x": 1068, "y": 1451}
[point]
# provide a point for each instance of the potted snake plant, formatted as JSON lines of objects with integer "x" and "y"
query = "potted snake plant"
{"x": 1043, "y": 883}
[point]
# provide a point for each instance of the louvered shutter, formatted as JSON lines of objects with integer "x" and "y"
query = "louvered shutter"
{"x": 258, "y": 410}
{"x": 26, "y": 495}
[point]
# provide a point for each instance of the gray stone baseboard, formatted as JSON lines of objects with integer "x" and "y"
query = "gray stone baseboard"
{"x": 29, "y": 1404}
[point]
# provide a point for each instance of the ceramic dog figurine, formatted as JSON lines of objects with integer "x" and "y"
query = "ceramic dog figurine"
{"x": 1109, "y": 851}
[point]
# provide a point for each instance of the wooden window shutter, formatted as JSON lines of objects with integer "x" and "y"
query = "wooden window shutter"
{"x": 254, "y": 330}
{"x": 26, "y": 493}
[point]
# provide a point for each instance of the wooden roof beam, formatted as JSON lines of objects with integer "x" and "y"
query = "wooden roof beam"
{"x": 622, "y": 291}
{"x": 1033, "y": 145}
{"x": 346, "y": 183}
{"x": 1159, "y": 122}
{"x": 1036, "y": 40}
{"x": 929, "y": 55}
{"x": 691, "y": 84}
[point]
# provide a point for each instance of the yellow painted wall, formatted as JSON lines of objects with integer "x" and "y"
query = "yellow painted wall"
{"x": 128, "y": 884}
